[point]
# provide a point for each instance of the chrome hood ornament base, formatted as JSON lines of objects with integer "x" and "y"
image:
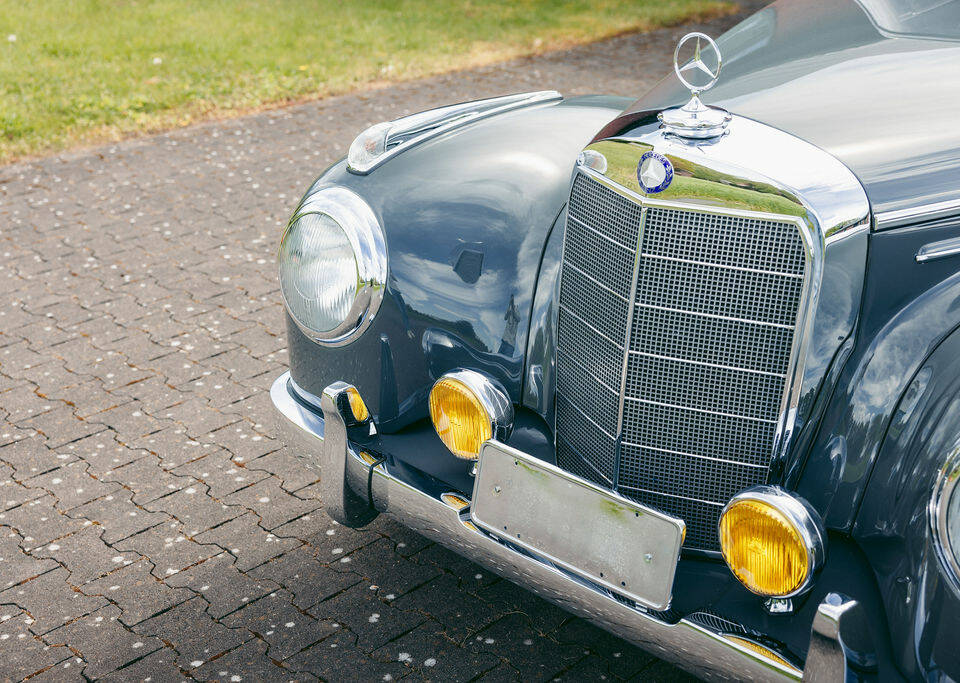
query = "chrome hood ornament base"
{"x": 695, "y": 119}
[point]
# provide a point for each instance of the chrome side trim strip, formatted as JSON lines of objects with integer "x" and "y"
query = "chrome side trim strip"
{"x": 938, "y": 250}
{"x": 915, "y": 214}
{"x": 410, "y": 131}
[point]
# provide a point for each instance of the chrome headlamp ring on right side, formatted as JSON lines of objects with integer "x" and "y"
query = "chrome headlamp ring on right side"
{"x": 365, "y": 236}
{"x": 945, "y": 518}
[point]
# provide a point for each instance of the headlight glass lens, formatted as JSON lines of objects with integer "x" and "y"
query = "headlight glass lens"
{"x": 318, "y": 272}
{"x": 459, "y": 418}
{"x": 763, "y": 548}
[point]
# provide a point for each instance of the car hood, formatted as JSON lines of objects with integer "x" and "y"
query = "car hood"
{"x": 885, "y": 104}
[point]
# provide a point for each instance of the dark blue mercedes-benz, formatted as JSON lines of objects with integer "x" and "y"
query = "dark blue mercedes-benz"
{"x": 694, "y": 377}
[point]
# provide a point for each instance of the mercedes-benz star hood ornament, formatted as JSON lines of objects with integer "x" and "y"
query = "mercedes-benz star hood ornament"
{"x": 698, "y": 73}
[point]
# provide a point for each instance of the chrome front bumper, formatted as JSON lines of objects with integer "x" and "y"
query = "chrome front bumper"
{"x": 356, "y": 488}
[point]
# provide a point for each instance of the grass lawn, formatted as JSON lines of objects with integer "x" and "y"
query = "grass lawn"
{"x": 83, "y": 71}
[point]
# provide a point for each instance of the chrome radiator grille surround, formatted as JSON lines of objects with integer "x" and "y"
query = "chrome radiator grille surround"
{"x": 676, "y": 347}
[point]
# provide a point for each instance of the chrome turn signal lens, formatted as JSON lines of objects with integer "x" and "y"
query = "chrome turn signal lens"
{"x": 773, "y": 542}
{"x": 468, "y": 408}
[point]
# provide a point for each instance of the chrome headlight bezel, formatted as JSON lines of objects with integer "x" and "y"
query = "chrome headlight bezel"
{"x": 945, "y": 489}
{"x": 365, "y": 234}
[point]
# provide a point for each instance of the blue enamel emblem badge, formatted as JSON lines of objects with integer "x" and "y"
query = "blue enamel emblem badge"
{"x": 654, "y": 173}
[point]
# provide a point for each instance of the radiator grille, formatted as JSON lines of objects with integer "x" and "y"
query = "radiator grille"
{"x": 701, "y": 372}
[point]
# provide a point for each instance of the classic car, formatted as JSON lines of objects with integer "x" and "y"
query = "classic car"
{"x": 688, "y": 367}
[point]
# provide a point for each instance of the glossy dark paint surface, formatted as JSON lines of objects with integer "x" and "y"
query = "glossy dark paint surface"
{"x": 893, "y": 524}
{"x": 908, "y": 309}
{"x": 884, "y": 105}
{"x": 487, "y": 193}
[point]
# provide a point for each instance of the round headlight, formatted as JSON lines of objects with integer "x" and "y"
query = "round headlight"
{"x": 333, "y": 265}
{"x": 945, "y": 518}
{"x": 771, "y": 541}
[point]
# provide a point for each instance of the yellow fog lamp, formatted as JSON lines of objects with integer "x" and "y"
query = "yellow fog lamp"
{"x": 773, "y": 542}
{"x": 468, "y": 408}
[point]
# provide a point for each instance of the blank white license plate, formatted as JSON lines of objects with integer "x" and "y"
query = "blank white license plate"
{"x": 587, "y": 530}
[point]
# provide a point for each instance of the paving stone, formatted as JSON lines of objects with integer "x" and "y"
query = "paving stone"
{"x": 426, "y": 651}
{"x": 71, "y": 485}
{"x": 102, "y": 453}
{"x": 243, "y": 441}
{"x": 60, "y": 426}
{"x": 168, "y": 548}
{"x": 137, "y": 592}
{"x": 118, "y": 516}
{"x": 307, "y": 579}
{"x": 338, "y": 658}
{"x": 271, "y": 503}
{"x": 459, "y": 619}
{"x": 193, "y": 633}
{"x": 23, "y": 654}
{"x": 31, "y": 457}
{"x": 39, "y": 522}
{"x": 195, "y": 509}
{"x": 221, "y": 474}
{"x": 508, "y": 596}
{"x": 222, "y": 585}
{"x": 291, "y": 471}
{"x": 173, "y": 447}
{"x": 160, "y": 666}
{"x": 85, "y": 555}
{"x": 105, "y": 643}
{"x": 247, "y": 541}
{"x": 13, "y": 493}
{"x": 512, "y": 638}
{"x": 277, "y": 621}
{"x": 17, "y": 566}
{"x": 249, "y": 662}
{"x": 331, "y": 540}
{"x": 197, "y": 417}
{"x": 373, "y": 621}
{"x": 393, "y": 573}
{"x": 621, "y": 659}
{"x": 51, "y": 600}
{"x": 148, "y": 480}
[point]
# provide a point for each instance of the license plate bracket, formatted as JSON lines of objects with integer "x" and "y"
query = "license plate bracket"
{"x": 589, "y": 531}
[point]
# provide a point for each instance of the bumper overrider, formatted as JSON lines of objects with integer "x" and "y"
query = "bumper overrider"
{"x": 357, "y": 486}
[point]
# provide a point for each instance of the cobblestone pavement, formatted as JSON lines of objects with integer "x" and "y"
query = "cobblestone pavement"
{"x": 151, "y": 527}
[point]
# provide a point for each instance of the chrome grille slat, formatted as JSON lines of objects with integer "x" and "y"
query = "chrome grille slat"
{"x": 711, "y": 304}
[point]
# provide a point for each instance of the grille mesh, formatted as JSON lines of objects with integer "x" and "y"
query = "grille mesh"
{"x": 707, "y": 355}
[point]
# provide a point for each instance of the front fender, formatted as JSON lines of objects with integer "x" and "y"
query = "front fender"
{"x": 893, "y": 526}
{"x": 466, "y": 216}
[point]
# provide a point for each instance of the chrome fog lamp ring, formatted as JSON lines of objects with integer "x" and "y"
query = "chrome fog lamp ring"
{"x": 805, "y": 520}
{"x": 944, "y": 509}
{"x": 492, "y": 396}
{"x": 362, "y": 296}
